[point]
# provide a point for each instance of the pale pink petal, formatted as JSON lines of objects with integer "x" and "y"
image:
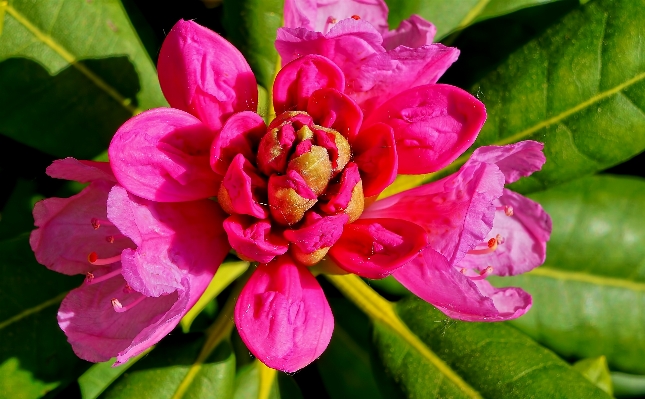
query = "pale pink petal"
{"x": 176, "y": 240}
{"x": 66, "y": 232}
{"x": 242, "y": 183}
{"x": 253, "y": 239}
{"x": 413, "y": 32}
{"x": 374, "y": 248}
{"x": 240, "y": 135}
{"x": 333, "y": 109}
{"x": 283, "y": 317}
{"x": 300, "y": 14}
{"x": 524, "y": 229}
{"x": 376, "y": 157}
{"x": 317, "y": 232}
{"x": 514, "y": 160}
{"x": 431, "y": 278}
{"x": 80, "y": 170}
{"x": 163, "y": 155}
{"x": 203, "y": 74}
{"x": 456, "y": 212}
{"x": 331, "y": 11}
{"x": 433, "y": 125}
{"x": 297, "y": 80}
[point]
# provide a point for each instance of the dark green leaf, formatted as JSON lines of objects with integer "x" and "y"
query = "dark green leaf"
{"x": 596, "y": 371}
{"x": 71, "y": 73}
{"x": 251, "y": 25}
{"x": 628, "y": 385}
{"x": 159, "y": 374}
{"x": 494, "y": 359}
{"x": 589, "y": 295}
{"x": 16, "y": 215}
{"x": 34, "y": 354}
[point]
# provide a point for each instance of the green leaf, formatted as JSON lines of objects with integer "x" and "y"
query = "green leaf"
{"x": 34, "y": 354}
{"x": 588, "y": 296}
{"x": 159, "y": 374}
{"x": 100, "y": 375}
{"x": 251, "y": 25}
{"x": 496, "y": 360}
{"x": 16, "y": 215}
{"x": 247, "y": 384}
{"x": 449, "y": 16}
{"x": 71, "y": 72}
{"x": 596, "y": 371}
{"x": 628, "y": 385}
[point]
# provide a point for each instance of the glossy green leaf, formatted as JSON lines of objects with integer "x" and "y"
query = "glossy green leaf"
{"x": 100, "y": 375}
{"x": 159, "y": 374}
{"x": 251, "y": 25}
{"x": 596, "y": 371}
{"x": 589, "y": 295}
{"x": 16, "y": 217}
{"x": 449, "y": 16}
{"x": 34, "y": 354}
{"x": 496, "y": 360}
{"x": 71, "y": 71}
{"x": 628, "y": 385}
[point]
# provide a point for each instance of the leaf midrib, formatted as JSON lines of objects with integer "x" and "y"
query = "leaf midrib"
{"x": 71, "y": 59}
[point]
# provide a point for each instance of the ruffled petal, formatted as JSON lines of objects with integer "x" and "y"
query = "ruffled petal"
{"x": 80, "y": 170}
{"x": 317, "y": 232}
{"x": 297, "y": 81}
{"x": 374, "y": 248}
{"x": 174, "y": 240}
{"x": 430, "y": 277}
{"x": 339, "y": 195}
{"x": 163, "y": 155}
{"x": 333, "y": 109}
{"x": 66, "y": 232}
{"x": 203, "y": 74}
{"x": 433, "y": 125}
{"x": 413, "y": 32}
{"x": 253, "y": 239}
{"x": 330, "y": 12}
{"x": 524, "y": 229}
{"x": 457, "y": 211}
{"x": 240, "y": 135}
{"x": 283, "y": 317}
{"x": 514, "y": 160}
{"x": 300, "y": 14}
{"x": 376, "y": 157}
{"x": 240, "y": 189}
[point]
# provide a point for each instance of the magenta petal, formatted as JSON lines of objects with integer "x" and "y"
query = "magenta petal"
{"x": 297, "y": 80}
{"x": 283, "y": 317}
{"x": 317, "y": 232}
{"x": 431, "y": 278}
{"x": 524, "y": 235}
{"x": 333, "y": 109}
{"x": 456, "y": 212}
{"x": 238, "y": 136}
{"x": 413, "y": 32}
{"x": 241, "y": 182}
{"x": 433, "y": 125}
{"x": 376, "y": 157}
{"x": 253, "y": 239}
{"x": 65, "y": 235}
{"x": 339, "y": 195}
{"x": 374, "y": 248}
{"x": 203, "y": 74}
{"x": 81, "y": 171}
{"x": 174, "y": 240}
{"x": 514, "y": 160}
{"x": 163, "y": 155}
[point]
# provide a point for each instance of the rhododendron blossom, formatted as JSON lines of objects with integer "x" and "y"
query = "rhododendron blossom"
{"x": 350, "y": 114}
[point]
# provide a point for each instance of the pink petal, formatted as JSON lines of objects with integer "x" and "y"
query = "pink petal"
{"x": 433, "y": 125}
{"x": 374, "y": 248}
{"x": 372, "y": 11}
{"x": 339, "y": 195}
{"x": 203, "y": 74}
{"x": 456, "y": 212}
{"x": 376, "y": 157}
{"x": 333, "y": 109}
{"x": 300, "y": 14}
{"x": 524, "y": 236}
{"x": 430, "y": 277}
{"x": 514, "y": 160}
{"x": 65, "y": 235}
{"x": 174, "y": 240}
{"x": 317, "y": 232}
{"x": 81, "y": 171}
{"x": 242, "y": 182}
{"x": 253, "y": 239}
{"x": 297, "y": 80}
{"x": 283, "y": 317}
{"x": 163, "y": 155}
{"x": 413, "y": 32}
{"x": 240, "y": 135}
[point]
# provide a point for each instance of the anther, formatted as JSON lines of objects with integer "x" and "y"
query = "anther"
{"x": 91, "y": 279}
{"x": 491, "y": 246}
{"x": 499, "y": 239}
{"x": 508, "y": 210}
{"x": 93, "y": 258}
{"x": 119, "y": 308}
{"x": 483, "y": 274}
{"x": 112, "y": 238}
{"x": 96, "y": 223}
{"x": 356, "y": 17}
{"x": 127, "y": 289}
{"x": 332, "y": 20}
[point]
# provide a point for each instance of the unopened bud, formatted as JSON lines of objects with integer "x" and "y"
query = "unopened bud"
{"x": 314, "y": 167}
{"x": 286, "y": 205}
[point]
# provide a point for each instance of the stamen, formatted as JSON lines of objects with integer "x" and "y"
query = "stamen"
{"x": 90, "y": 279}
{"x": 119, "y": 308}
{"x": 114, "y": 237}
{"x": 331, "y": 20}
{"x": 93, "y": 258}
{"x": 483, "y": 274}
{"x": 491, "y": 244}
{"x": 356, "y": 17}
{"x": 499, "y": 239}
{"x": 508, "y": 210}
{"x": 127, "y": 289}
{"x": 96, "y": 223}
